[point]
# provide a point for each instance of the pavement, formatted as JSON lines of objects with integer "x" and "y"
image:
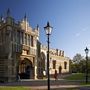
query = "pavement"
{"x": 41, "y": 84}
{"x": 62, "y": 87}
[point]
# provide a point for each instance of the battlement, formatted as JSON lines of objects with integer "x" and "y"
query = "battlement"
{"x": 56, "y": 52}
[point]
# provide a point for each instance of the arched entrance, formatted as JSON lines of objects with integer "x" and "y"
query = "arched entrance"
{"x": 26, "y": 69}
{"x": 60, "y": 69}
{"x": 41, "y": 66}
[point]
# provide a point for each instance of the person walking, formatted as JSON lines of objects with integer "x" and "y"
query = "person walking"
{"x": 55, "y": 75}
{"x": 44, "y": 74}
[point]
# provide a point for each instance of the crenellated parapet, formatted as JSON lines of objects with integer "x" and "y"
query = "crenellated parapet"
{"x": 55, "y": 52}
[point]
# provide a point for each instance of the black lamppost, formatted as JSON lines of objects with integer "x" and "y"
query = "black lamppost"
{"x": 86, "y": 51}
{"x": 48, "y": 30}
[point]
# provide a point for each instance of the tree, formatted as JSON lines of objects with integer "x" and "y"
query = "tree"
{"x": 77, "y": 58}
{"x": 77, "y": 65}
{"x": 82, "y": 65}
{"x": 89, "y": 65}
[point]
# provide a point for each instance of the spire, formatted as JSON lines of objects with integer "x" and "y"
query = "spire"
{"x": 1, "y": 17}
{"x": 37, "y": 27}
{"x": 25, "y": 17}
{"x": 26, "y": 22}
{"x": 8, "y": 12}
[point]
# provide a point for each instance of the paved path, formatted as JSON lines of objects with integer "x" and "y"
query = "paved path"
{"x": 39, "y": 83}
{"x": 62, "y": 87}
{"x": 42, "y": 84}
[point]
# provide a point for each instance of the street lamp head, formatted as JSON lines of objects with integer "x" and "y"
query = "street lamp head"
{"x": 48, "y": 29}
{"x": 86, "y": 51}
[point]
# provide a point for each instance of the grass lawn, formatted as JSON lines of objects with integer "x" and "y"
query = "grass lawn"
{"x": 78, "y": 76}
{"x": 13, "y": 88}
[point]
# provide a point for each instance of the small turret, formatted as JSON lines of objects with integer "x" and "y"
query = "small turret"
{"x": 8, "y": 12}
{"x": 1, "y": 18}
{"x": 9, "y": 19}
{"x": 24, "y": 23}
{"x": 25, "y": 17}
{"x": 37, "y": 27}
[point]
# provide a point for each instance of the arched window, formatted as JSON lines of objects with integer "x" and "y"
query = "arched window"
{"x": 25, "y": 39}
{"x": 54, "y": 64}
{"x": 32, "y": 41}
{"x": 43, "y": 60}
{"x": 65, "y": 65}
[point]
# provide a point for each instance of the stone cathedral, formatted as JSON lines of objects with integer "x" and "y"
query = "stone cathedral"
{"x": 21, "y": 53}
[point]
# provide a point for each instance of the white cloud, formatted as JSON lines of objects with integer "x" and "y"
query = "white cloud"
{"x": 77, "y": 34}
{"x": 85, "y": 29}
{"x": 81, "y": 31}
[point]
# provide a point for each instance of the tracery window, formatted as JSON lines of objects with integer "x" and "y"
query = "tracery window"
{"x": 32, "y": 44}
{"x": 65, "y": 65}
{"x": 54, "y": 64}
{"x": 26, "y": 39}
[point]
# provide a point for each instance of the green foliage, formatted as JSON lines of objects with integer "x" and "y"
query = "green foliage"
{"x": 77, "y": 58}
{"x": 78, "y": 64}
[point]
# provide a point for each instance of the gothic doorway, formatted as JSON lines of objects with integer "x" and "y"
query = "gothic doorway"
{"x": 60, "y": 69}
{"x": 41, "y": 66}
{"x": 26, "y": 69}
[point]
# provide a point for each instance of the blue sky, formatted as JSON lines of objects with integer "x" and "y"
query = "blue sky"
{"x": 70, "y": 20}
